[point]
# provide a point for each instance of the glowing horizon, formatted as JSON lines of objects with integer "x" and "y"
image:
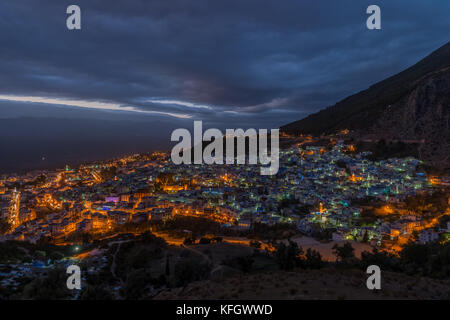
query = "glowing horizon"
{"x": 180, "y": 103}
{"x": 87, "y": 104}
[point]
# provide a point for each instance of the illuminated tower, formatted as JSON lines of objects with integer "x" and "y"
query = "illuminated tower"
{"x": 14, "y": 208}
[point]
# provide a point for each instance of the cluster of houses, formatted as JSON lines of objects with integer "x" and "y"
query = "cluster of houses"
{"x": 328, "y": 182}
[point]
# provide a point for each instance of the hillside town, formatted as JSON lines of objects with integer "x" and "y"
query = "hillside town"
{"x": 332, "y": 193}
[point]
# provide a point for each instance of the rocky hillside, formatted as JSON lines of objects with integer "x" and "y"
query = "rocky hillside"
{"x": 412, "y": 105}
{"x": 310, "y": 285}
{"x": 423, "y": 114}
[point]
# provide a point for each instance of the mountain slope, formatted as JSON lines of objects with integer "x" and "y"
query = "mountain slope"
{"x": 414, "y": 104}
{"x": 329, "y": 284}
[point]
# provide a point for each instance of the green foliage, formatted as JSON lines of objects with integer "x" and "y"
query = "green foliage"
{"x": 432, "y": 259}
{"x": 345, "y": 252}
{"x": 415, "y": 253}
{"x": 287, "y": 256}
{"x": 386, "y": 261}
{"x": 22, "y": 251}
{"x": 313, "y": 259}
{"x": 51, "y": 287}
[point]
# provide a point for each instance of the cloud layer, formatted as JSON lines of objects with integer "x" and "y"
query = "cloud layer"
{"x": 250, "y": 63}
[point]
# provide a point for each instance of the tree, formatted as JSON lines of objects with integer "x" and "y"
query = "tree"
{"x": 51, "y": 287}
{"x": 313, "y": 259}
{"x": 345, "y": 252}
{"x": 288, "y": 256}
{"x": 386, "y": 261}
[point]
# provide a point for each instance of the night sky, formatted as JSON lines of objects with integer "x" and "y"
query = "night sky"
{"x": 251, "y": 63}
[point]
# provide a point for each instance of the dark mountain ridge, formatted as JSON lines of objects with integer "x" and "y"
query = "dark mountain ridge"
{"x": 411, "y": 105}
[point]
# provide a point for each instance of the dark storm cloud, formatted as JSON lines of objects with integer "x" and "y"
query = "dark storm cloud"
{"x": 270, "y": 61}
